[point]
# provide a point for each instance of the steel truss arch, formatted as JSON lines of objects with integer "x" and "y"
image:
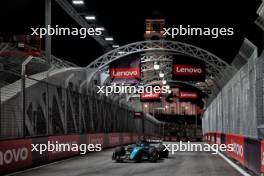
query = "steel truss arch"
{"x": 216, "y": 66}
{"x": 159, "y": 45}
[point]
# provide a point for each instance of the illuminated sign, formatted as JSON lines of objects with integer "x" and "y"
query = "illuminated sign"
{"x": 125, "y": 73}
{"x": 150, "y": 96}
{"x": 188, "y": 95}
{"x": 184, "y": 69}
{"x": 188, "y": 72}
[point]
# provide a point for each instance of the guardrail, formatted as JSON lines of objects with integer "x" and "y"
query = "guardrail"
{"x": 249, "y": 152}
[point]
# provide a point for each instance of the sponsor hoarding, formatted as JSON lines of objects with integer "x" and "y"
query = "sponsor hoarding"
{"x": 68, "y": 140}
{"x": 238, "y": 145}
{"x": 15, "y": 154}
{"x": 149, "y": 96}
{"x": 188, "y": 95}
{"x": 113, "y": 139}
{"x": 125, "y": 71}
{"x": 189, "y": 72}
{"x": 97, "y": 138}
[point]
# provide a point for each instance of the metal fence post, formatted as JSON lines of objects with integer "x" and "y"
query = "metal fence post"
{"x": 23, "y": 92}
{"x": 23, "y": 104}
{"x": 47, "y": 100}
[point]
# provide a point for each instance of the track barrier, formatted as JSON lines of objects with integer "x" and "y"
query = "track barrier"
{"x": 16, "y": 154}
{"x": 249, "y": 152}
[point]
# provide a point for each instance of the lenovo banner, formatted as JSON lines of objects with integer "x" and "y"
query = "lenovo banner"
{"x": 188, "y": 72}
{"x": 188, "y": 95}
{"x": 58, "y": 141}
{"x": 238, "y": 145}
{"x": 126, "y": 138}
{"x": 113, "y": 139}
{"x": 97, "y": 138}
{"x": 125, "y": 70}
{"x": 15, "y": 154}
{"x": 149, "y": 96}
{"x": 125, "y": 73}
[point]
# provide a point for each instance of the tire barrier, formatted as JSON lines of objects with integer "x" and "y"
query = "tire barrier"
{"x": 247, "y": 151}
{"x": 17, "y": 154}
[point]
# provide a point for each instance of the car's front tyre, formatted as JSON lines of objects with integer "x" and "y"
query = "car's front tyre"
{"x": 153, "y": 155}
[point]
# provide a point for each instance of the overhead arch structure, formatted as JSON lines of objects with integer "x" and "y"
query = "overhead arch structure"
{"x": 220, "y": 70}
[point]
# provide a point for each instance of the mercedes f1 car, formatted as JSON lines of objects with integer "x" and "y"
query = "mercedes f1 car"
{"x": 141, "y": 151}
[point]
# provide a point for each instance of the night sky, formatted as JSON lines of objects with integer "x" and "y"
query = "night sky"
{"x": 125, "y": 21}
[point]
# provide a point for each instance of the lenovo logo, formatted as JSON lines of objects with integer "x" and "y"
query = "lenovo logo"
{"x": 113, "y": 140}
{"x": 13, "y": 155}
{"x": 182, "y": 69}
{"x": 96, "y": 140}
{"x": 150, "y": 95}
{"x": 188, "y": 95}
{"x": 238, "y": 149}
{"x": 125, "y": 73}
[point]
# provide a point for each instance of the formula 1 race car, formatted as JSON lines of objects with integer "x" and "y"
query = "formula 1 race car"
{"x": 142, "y": 150}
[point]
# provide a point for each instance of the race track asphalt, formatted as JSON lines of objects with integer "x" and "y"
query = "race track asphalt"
{"x": 101, "y": 164}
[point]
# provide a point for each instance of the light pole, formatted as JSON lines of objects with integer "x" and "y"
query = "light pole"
{"x": 48, "y": 37}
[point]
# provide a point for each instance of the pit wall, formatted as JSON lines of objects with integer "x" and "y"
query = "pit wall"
{"x": 17, "y": 155}
{"x": 249, "y": 152}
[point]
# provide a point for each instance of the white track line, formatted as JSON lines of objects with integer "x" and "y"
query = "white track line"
{"x": 235, "y": 166}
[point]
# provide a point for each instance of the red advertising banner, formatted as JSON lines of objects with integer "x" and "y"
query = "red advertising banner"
{"x": 209, "y": 138}
{"x": 262, "y": 156}
{"x": 97, "y": 138}
{"x": 135, "y": 138}
{"x": 113, "y": 139}
{"x": 125, "y": 73}
{"x": 218, "y": 138}
{"x": 188, "y": 70}
{"x": 188, "y": 95}
{"x": 126, "y": 138}
{"x": 59, "y": 142}
{"x": 150, "y": 96}
{"x": 212, "y": 138}
{"x": 238, "y": 145}
{"x": 15, "y": 154}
